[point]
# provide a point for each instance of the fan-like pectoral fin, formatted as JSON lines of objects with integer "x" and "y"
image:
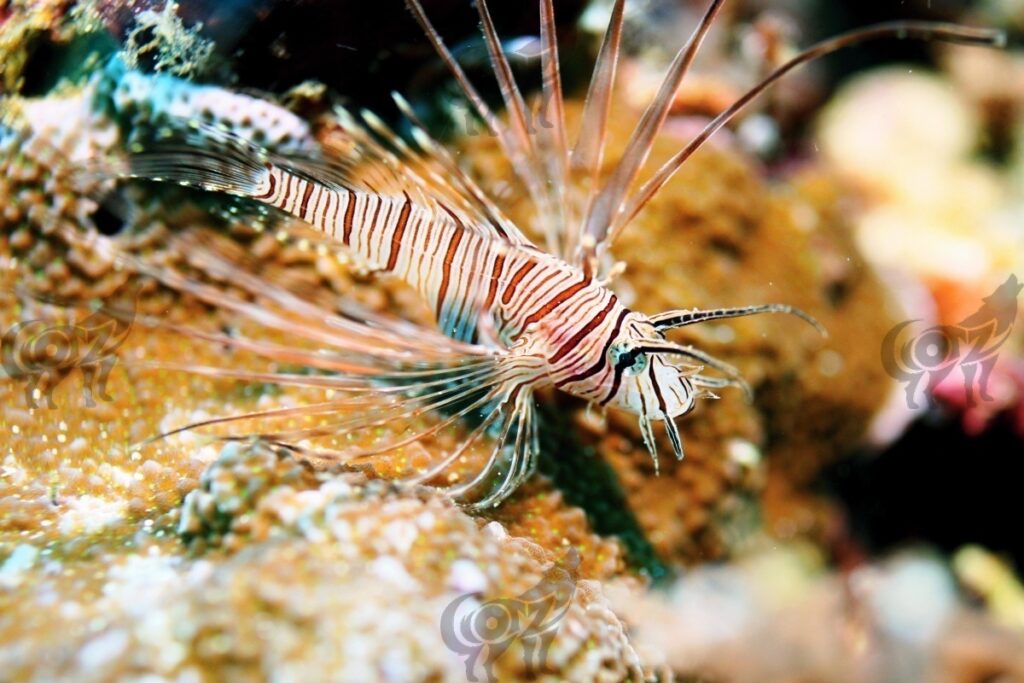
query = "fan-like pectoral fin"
{"x": 411, "y": 404}
{"x": 499, "y": 405}
{"x": 503, "y": 436}
{"x": 514, "y": 456}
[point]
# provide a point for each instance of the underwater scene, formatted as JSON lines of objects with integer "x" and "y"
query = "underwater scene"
{"x": 512, "y": 340}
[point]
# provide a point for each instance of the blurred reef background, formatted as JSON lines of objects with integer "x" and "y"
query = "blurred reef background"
{"x": 824, "y": 532}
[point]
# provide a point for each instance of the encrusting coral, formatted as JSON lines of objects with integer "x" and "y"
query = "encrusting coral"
{"x": 254, "y": 503}
{"x": 348, "y": 578}
{"x": 735, "y": 235}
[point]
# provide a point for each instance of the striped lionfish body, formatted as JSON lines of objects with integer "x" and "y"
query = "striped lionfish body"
{"x": 512, "y": 317}
{"x": 500, "y": 291}
{"x": 522, "y": 296}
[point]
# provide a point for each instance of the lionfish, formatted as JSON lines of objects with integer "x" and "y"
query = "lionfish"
{"x": 512, "y": 317}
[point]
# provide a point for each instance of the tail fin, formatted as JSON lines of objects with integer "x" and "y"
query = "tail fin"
{"x": 203, "y": 157}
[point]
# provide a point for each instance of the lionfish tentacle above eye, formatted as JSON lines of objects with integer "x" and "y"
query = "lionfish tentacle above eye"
{"x": 681, "y": 318}
{"x": 671, "y": 348}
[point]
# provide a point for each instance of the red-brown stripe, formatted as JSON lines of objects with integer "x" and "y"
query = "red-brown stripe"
{"x": 533, "y": 287}
{"x": 396, "y": 237}
{"x": 282, "y": 196}
{"x": 603, "y": 358}
{"x": 555, "y": 302}
{"x": 469, "y": 257}
{"x": 368, "y": 237}
{"x": 331, "y": 212}
{"x": 288, "y": 194}
{"x": 349, "y": 212}
{"x": 446, "y": 268}
{"x": 320, "y": 207}
{"x": 500, "y": 230}
{"x": 516, "y": 279}
{"x": 452, "y": 214}
{"x": 571, "y": 343}
{"x": 305, "y": 199}
{"x": 657, "y": 389}
{"x": 492, "y": 290}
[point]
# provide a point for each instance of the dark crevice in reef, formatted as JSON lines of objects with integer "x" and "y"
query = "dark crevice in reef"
{"x": 107, "y": 221}
{"x": 369, "y": 48}
{"x": 936, "y": 485}
{"x": 52, "y": 62}
{"x": 589, "y": 483}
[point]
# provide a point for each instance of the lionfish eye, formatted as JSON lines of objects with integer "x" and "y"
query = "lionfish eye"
{"x": 625, "y": 357}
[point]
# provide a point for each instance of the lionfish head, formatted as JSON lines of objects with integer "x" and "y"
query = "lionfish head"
{"x": 660, "y": 380}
